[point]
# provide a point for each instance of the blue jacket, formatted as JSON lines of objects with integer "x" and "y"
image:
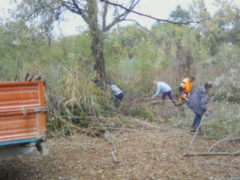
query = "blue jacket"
{"x": 198, "y": 100}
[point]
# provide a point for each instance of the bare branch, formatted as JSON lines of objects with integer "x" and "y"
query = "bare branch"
{"x": 146, "y": 29}
{"x": 74, "y": 8}
{"x": 218, "y": 142}
{"x": 213, "y": 154}
{"x": 113, "y": 151}
{"x": 116, "y": 20}
{"x": 76, "y": 5}
{"x": 105, "y": 10}
{"x": 122, "y": 16}
{"x": 228, "y": 138}
{"x": 151, "y": 17}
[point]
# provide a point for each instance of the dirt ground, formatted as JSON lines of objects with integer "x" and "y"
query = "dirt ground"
{"x": 145, "y": 151}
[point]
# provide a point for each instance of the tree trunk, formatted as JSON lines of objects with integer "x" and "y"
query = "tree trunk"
{"x": 97, "y": 51}
{"x": 97, "y": 43}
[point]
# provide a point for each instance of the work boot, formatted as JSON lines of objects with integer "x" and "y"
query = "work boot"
{"x": 193, "y": 130}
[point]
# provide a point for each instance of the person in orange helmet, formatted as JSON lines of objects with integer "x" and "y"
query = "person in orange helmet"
{"x": 185, "y": 88}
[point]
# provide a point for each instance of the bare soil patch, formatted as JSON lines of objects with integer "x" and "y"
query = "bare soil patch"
{"x": 145, "y": 151}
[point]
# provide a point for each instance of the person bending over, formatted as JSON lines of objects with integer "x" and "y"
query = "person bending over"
{"x": 165, "y": 89}
{"x": 116, "y": 93}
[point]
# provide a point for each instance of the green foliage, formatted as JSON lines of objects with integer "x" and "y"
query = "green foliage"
{"x": 180, "y": 15}
{"x": 127, "y": 42}
{"x": 220, "y": 96}
{"x": 104, "y": 108}
{"x": 142, "y": 112}
{"x": 235, "y": 95}
{"x": 126, "y": 119}
{"x": 84, "y": 122}
{"x": 174, "y": 46}
{"x": 232, "y": 95}
{"x": 220, "y": 127}
{"x": 134, "y": 58}
{"x": 8, "y": 70}
{"x": 181, "y": 146}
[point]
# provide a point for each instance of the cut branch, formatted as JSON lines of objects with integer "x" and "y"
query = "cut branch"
{"x": 228, "y": 138}
{"x": 190, "y": 146}
{"x": 212, "y": 154}
{"x": 113, "y": 151}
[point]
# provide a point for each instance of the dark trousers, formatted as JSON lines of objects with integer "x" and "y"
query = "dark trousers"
{"x": 169, "y": 94}
{"x": 196, "y": 121}
{"x": 118, "y": 99}
{"x": 119, "y": 96}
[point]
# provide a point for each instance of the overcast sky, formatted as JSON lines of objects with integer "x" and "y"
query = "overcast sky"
{"x": 157, "y": 8}
{"x": 162, "y": 8}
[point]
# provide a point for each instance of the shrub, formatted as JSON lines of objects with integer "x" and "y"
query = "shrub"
{"x": 141, "y": 111}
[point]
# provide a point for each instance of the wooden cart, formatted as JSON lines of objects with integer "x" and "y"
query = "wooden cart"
{"x": 22, "y": 118}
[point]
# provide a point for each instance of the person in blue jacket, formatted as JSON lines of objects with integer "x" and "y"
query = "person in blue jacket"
{"x": 198, "y": 103}
{"x": 116, "y": 93}
{"x": 165, "y": 89}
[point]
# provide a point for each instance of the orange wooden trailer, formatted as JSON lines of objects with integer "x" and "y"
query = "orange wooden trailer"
{"x": 22, "y": 117}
